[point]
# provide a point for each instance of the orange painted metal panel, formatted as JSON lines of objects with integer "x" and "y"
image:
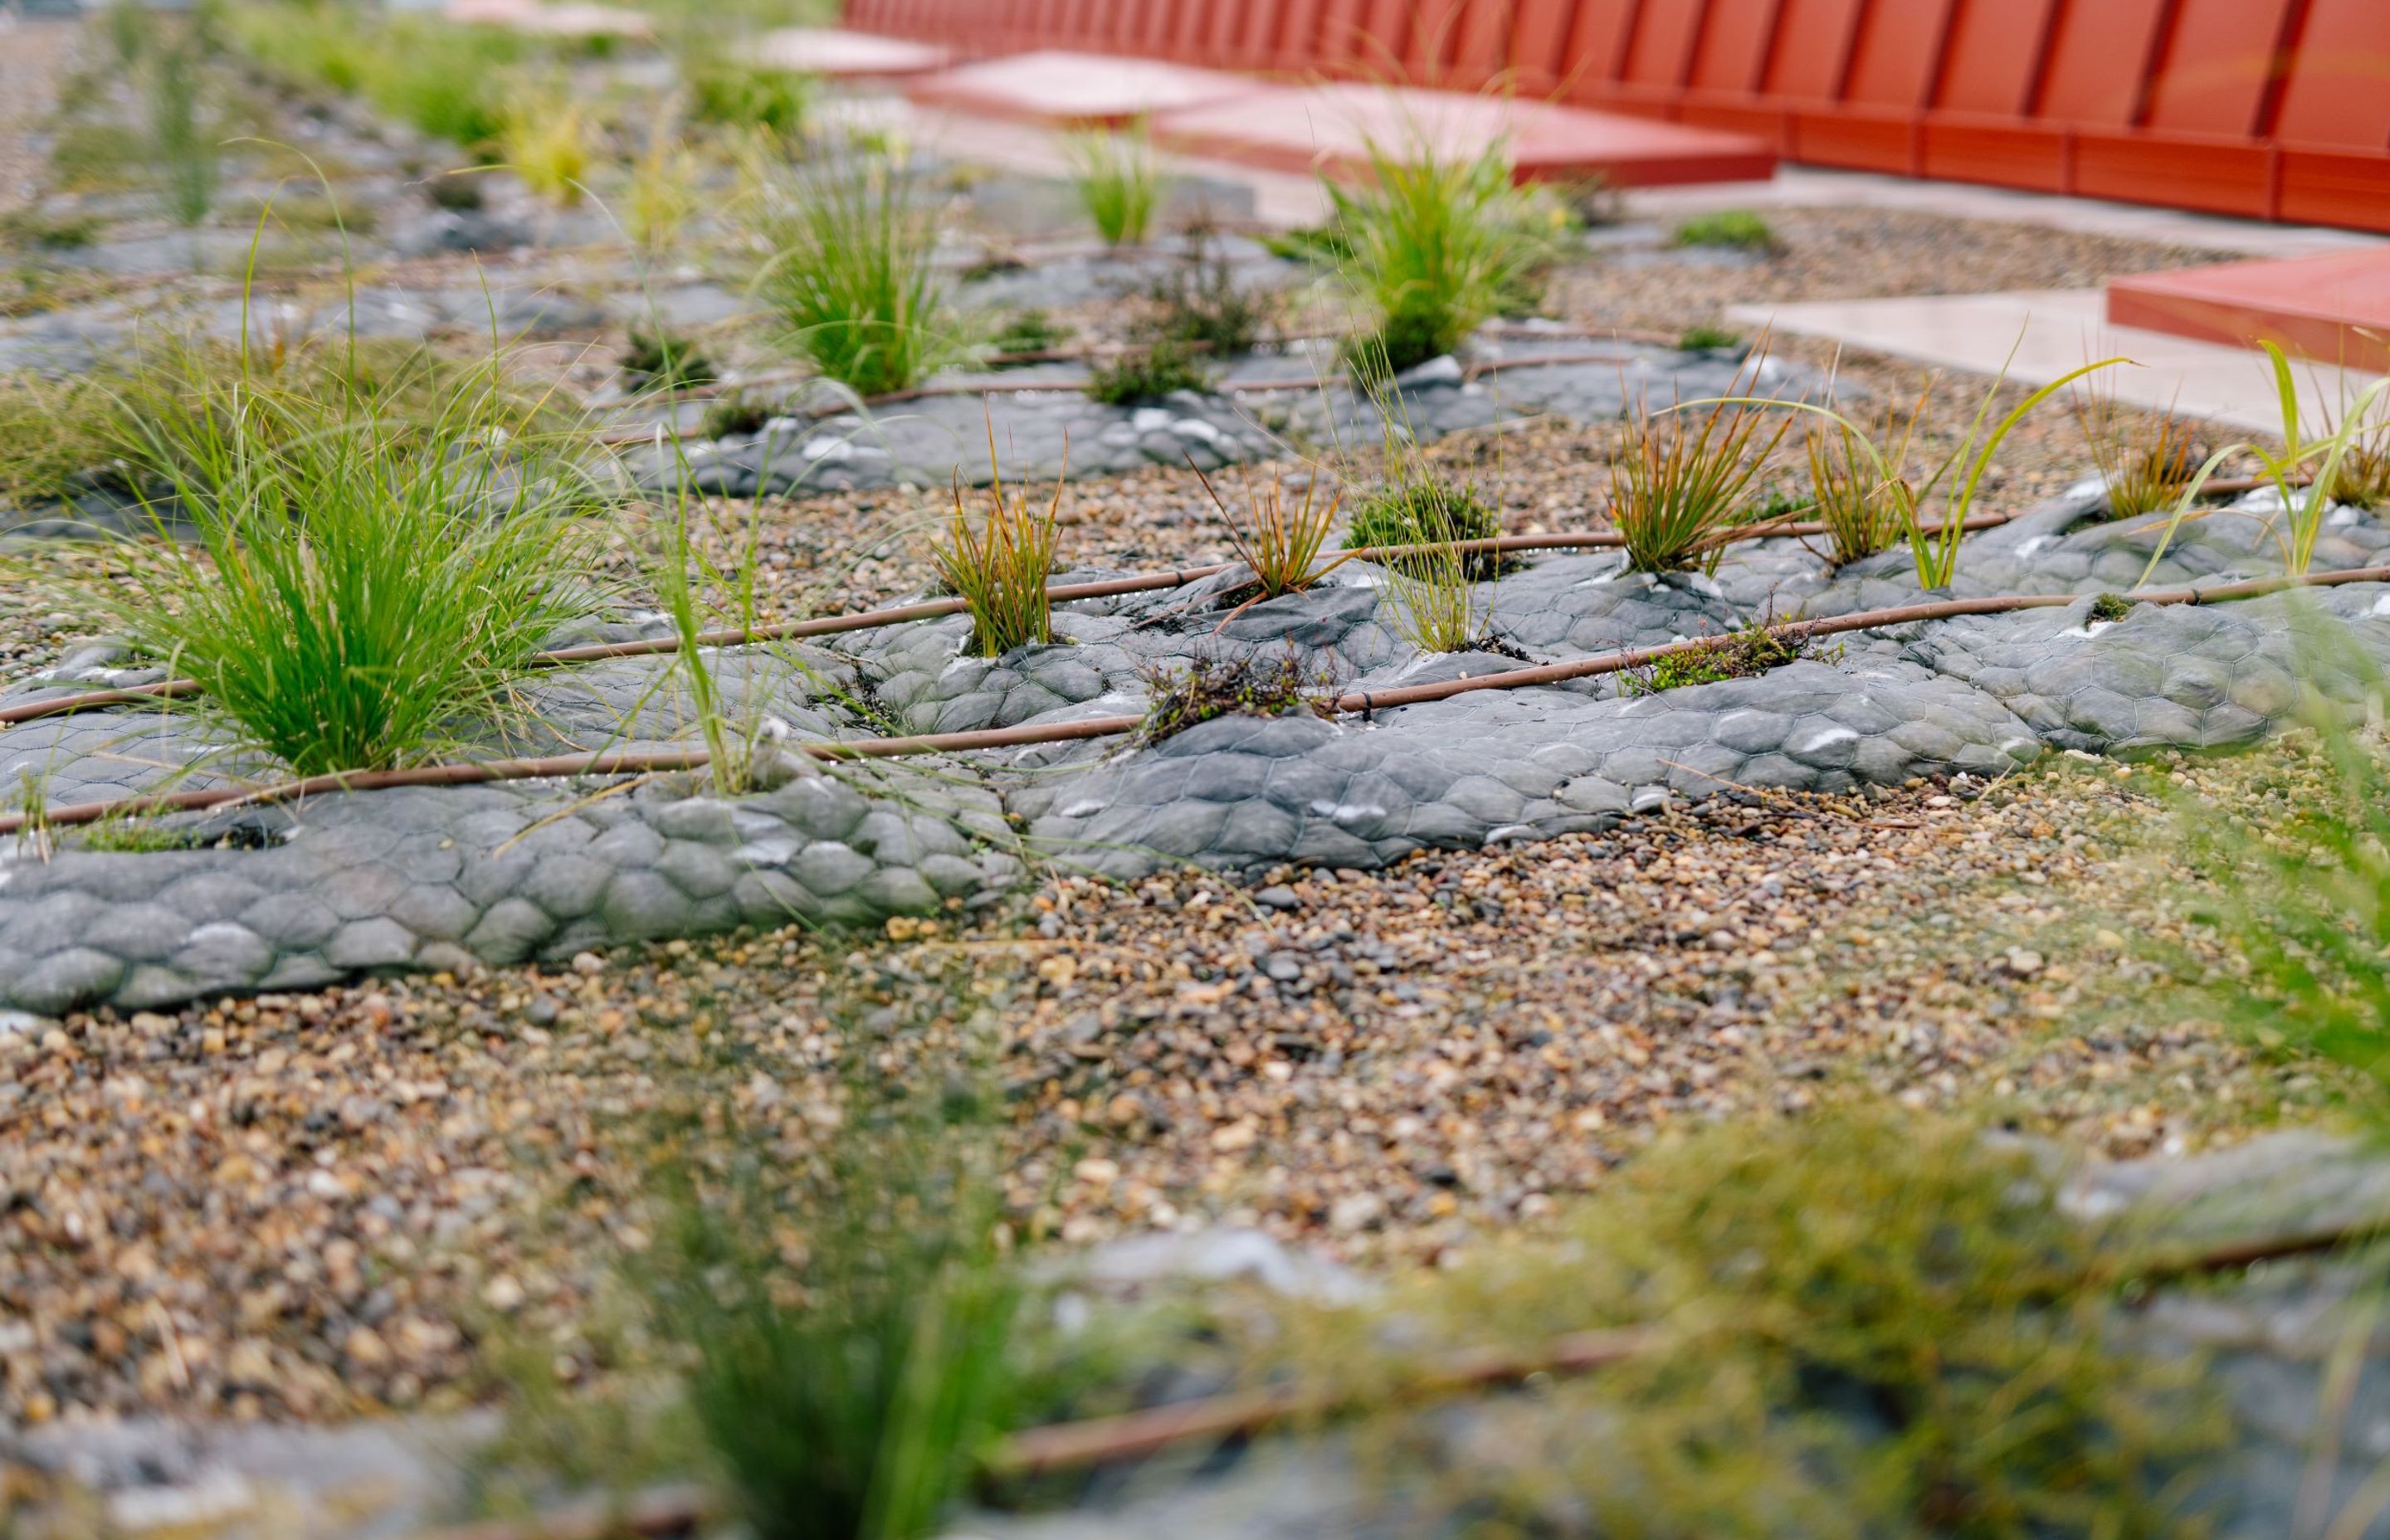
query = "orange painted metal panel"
{"x": 2337, "y": 94}
{"x": 2003, "y": 152}
{"x": 1860, "y": 140}
{"x": 2327, "y": 186}
{"x": 1433, "y": 24}
{"x": 1814, "y": 40}
{"x": 1732, "y": 50}
{"x": 1343, "y": 36}
{"x": 1596, "y": 50}
{"x": 1154, "y": 35}
{"x": 1481, "y": 48}
{"x": 2213, "y": 72}
{"x": 1225, "y": 24}
{"x": 1660, "y": 53}
{"x": 1994, "y": 57}
{"x": 1254, "y": 46}
{"x": 2099, "y": 61}
{"x": 1899, "y": 53}
{"x": 1770, "y": 125}
{"x": 2222, "y": 176}
{"x": 1296, "y": 44}
{"x": 1385, "y": 37}
{"x": 2333, "y": 308}
{"x": 1539, "y": 40}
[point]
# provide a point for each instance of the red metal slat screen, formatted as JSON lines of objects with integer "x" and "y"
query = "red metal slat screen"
{"x": 2271, "y": 108}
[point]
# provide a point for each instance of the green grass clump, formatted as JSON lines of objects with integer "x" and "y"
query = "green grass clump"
{"x": 1147, "y": 373}
{"x": 1118, "y": 187}
{"x": 1249, "y": 685}
{"x": 1877, "y": 1325}
{"x": 32, "y": 230}
{"x": 999, "y": 565}
{"x": 1438, "y": 245}
{"x": 372, "y": 573}
{"x": 2111, "y": 608}
{"x": 545, "y": 136}
{"x": 1744, "y": 654}
{"x": 1419, "y": 509}
{"x": 728, "y": 94}
{"x": 1736, "y": 227}
{"x": 661, "y": 361}
{"x": 847, "y": 1329}
{"x": 184, "y": 142}
{"x": 1708, "y": 338}
{"x": 1677, "y": 482}
{"x": 97, "y": 156}
{"x": 845, "y": 267}
{"x": 452, "y": 83}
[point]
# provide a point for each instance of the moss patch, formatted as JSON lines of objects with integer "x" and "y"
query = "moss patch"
{"x": 1251, "y": 684}
{"x": 1742, "y": 654}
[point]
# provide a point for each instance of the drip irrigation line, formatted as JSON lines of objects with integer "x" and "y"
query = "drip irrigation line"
{"x": 651, "y": 762}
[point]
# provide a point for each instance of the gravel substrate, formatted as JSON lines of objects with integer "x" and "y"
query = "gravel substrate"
{"x": 311, "y": 1205}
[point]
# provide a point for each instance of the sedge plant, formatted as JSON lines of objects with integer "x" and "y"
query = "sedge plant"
{"x": 1433, "y": 604}
{"x": 2312, "y": 464}
{"x": 1677, "y": 482}
{"x": 844, "y": 252}
{"x": 185, "y": 145}
{"x": 1863, "y": 511}
{"x": 999, "y": 564}
{"x": 1117, "y": 185}
{"x": 2144, "y": 468}
{"x": 1935, "y": 551}
{"x": 369, "y": 581}
{"x": 544, "y": 138}
{"x": 1278, "y": 540}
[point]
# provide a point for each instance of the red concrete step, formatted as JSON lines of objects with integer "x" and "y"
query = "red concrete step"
{"x": 1330, "y": 128}
{"x": 1078, "y": 90}
{"x": 2334, "y": 308}
{"x": 842, "y": 55}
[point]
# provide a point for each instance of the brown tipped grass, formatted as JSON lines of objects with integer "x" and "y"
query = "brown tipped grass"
{"x": 998, "y": 565}
{"x": 1678, "y": 481}
{"x": 2145, "y": 465}
{"x": 1864, "y": 510}
{"x": 1280, "y": 541}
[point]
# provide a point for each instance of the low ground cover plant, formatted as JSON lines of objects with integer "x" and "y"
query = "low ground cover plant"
{"x": 662, "y": 361}
{"x": 999, "y": 565}
{"x": 1756, "y": 649}
{"x": 1200, "y": 304}
{"x": 1438, "y": 245}
{"x": 844, "y": 251}
{"x": 546, "y": 138}
{"x": 1740, "y": 228}
{"x": 1207, "y": 688}
{"x": 1148, "y": 372}
{"x": 727, "y": 93}
{"x": 1030, "y": 329}
{"x": 1417, "y": 508}
{"x": 1702, "y": 337}
{"x": 1874, "y": 1322}
{"x": 1117, "y": 183}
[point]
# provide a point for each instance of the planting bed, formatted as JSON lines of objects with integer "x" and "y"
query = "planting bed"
{"x": 385, "y": 1097}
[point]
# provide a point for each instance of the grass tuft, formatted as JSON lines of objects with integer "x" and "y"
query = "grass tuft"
{"x": 185, "y": 143}
{"x": 847, "y": 1329}
{"x": 1865, "y": 510}
{"x": 1030, "y": 329}
{"x": 1677, "y": 482}
{"x": 731, "y": 94}
{"x": 998, "y": 566}
{"x": 661, "y": 361}
{"x": 1117, "y": 183}
{"x": 1200, "y": 304}
{"x": 373, "y": 571}
{"x": 1280, "y": 543}
{"x": 1708, "y": 338}
{"x": 845, "y": 251}
{"x": 545, "y": 136}
{"x": 1438, "y": 245}
{"x": 1249, "y": 684}
{"x": 2145, "y": 467}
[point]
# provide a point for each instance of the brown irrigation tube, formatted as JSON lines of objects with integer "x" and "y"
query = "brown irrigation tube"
{"x": 657, "y": 761}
